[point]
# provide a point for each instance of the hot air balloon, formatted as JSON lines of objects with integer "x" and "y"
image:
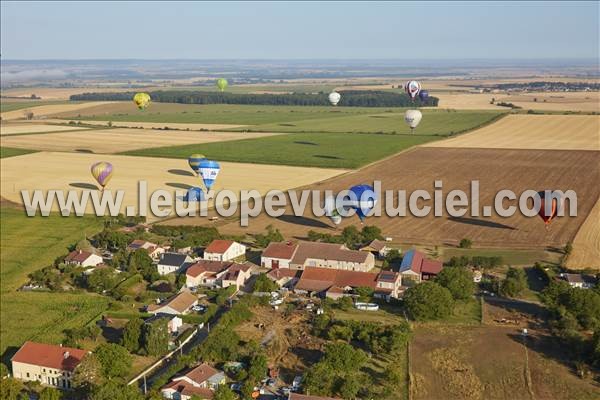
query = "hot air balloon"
{"x": 555, "y": 202}
{"x": 412, "y": 88}
{"x": 423, "y": 95}
{"x": 364, "y": 201}
{"x": 209, "y": 170}
{"x": 222, "y": 84}
{"x": 194, "y": 162}
{"x": 141, "y": 100}
{"x": 331, "y": 212}
{"x": 334, "y": 98}
{"x": 412, "y": 118}
{"x": 102, "y": 172}
{"x": 194, "y": 194}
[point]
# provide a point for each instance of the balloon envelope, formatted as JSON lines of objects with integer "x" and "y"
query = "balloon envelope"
{"x": 364, "y": 201}
{"x": 102, "y": 172}
{"x": 412, "y": 88}
{"x": 209, "y": 170}
{"x": 141, "y": 100}
{"x": 194, "y": 162}
{"x": 423, "y": 95}
{"x": 334, "y": 98}
{"x": 194, "y": 194}
{"x": 413, "y": 118}
{"x": 222, "y": 84}
{"x": 331, "y": 211}
{"x": 549, "y": 205}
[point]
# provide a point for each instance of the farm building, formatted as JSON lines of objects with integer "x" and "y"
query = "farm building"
{"x": 173, "y": 321}
{"x": 178, "y": 304}
{"x": 216, "y": 274}
{"x": 379, "y": 248}
{"x": 579, "y": 280}
{"x": 83, "y": 258}
{"x": 46, "y": 363}
{"x": 224, "y": 250}
{"x": 415, "y": 267}
{"x": 334, "y": 284}
{"x": 313, "y": 254}
{"x": 200, "y": 382}
{"x": 284, "y": 277}
{"x": 172, "y": 262}
{"x": 154, "y": 250}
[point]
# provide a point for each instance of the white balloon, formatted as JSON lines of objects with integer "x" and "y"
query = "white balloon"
{"x": 334, "y": 98}
{"x": 412, "y": 88}
{"x": 412, "y": 118}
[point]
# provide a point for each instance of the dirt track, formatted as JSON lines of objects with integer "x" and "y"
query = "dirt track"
{"x": 516, "y": 170}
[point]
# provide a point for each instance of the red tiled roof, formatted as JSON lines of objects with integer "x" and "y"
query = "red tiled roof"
{"x": 50, "y": 356}
{"x": 188, "y": 389}
{"x": 327, "y": 251}
{"x": 219, "y": 246}
{"x": 319, "y": 279}
{"x": 283, "y": 250}
{"x": 201, "y": 373}
{"x": 78, "y": 256}
{"x": 431, "y": 266}
{"x": 207, "y": 266}
{"x": 279, "y": 273}
{"x": 419, "y": 264}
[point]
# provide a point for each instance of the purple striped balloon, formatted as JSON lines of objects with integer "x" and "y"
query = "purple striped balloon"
{"x": 102, "y": 172}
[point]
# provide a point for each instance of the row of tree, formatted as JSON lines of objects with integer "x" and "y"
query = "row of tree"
{"x": 350, "y": 98}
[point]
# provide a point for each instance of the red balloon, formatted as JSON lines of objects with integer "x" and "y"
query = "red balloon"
{"x": 557, "y": 202}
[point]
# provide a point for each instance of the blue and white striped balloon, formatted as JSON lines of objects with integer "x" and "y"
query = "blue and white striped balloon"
{"x": 209, "y": 170}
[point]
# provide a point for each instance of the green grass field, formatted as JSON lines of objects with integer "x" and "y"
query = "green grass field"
{"x": 331, "y": 150}
{"x": 213, "y": 113}
{"x": 6, "y": 152}
{"x": 435, "y": 122}
{"x": 20, "y": 105}
{"x": 26, "y": 245}
{"x": 509, "y": 257}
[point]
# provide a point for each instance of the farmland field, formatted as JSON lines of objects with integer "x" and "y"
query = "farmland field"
{"x": 118, "y": 139}
{"x": 18, "y": 104}
{"x": 517, "y": 170}
{"x": 158, "y": 125}
{"x": 552, "y": 132}
{"x": 6, "y": 152}
{"x": 26, "y": 245}
{"x": 45, "y": 110}
{"x": 21, "y": 128}
{"x": 586, "y": 245}
{"x": 331, "y": 150}
{"x": 490, "y": 362}
{"x": 71, "y": 171}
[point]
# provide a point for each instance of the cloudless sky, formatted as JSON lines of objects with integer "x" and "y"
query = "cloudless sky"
{"x": 299, "y": 30}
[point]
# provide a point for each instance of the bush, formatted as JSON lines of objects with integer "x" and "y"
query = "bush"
{"x": 428, "y": 301}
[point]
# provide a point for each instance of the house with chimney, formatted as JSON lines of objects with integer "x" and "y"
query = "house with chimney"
{"x": 416, "y": 267}
{"x": 224, "y": 250}
{"x": 200, "y": 382}
{"x": 315, "y": 254}
{"x": 216, "y": 274}
{"x": 83, "y": 258}
{"x": 48, "y": 364}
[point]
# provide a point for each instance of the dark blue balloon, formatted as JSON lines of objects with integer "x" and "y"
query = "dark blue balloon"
{"x": 194, "y": 194}
{"x": 365, "y": 200}
{"x": 423, "y": 95}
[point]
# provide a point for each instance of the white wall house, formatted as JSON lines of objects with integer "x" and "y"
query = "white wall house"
{"x": 83, "y": 258}
{"x": 278, "y": 255}
{"x": 172, "y": 263}
{"x": 224, "y": 250}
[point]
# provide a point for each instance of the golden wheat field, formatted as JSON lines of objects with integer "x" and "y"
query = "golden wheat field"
{"x": 119, "y": 139}
{"x": 49, "y": 109}
{"x": 161, "y": 125}
{"x": 63, "y": 171}
{"x": 544, "y": 132}
{"x": 19, "y": 128}
{"x": 586, "y": 245}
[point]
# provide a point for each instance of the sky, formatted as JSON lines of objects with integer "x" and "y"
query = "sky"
{"x": 299, "y": 30}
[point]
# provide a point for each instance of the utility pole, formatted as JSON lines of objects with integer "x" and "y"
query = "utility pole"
{"x": 145, "y": 387}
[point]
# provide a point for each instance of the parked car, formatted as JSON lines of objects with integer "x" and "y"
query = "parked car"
{"x": 236, "y": 387}
{"x": 297, "y": 381}
{"x": 199, "y": 308}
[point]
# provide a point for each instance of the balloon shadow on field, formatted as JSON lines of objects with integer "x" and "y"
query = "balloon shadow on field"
{"x": 307, "y": 143}
{"x": 179, "y": 185}
{"x": 82, "y": 185}
{"x": 84, "y": 151}
{"x": 304, "y": 221}
{"x": 327, "y": 157}
{"x": 181, "y": 172}
{"x": 479, "y": 222}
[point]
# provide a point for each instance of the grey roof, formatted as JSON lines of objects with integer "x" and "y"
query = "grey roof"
{"x": 173, "y": 259}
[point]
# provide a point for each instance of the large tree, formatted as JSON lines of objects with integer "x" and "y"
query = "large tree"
{"x": 114, "y": 359}
{"x": 132, "y": 334}
{"x": 155, "y": 337}
{"x": 429, "y": 300}
{"x": 88, "y": 374}
{"x": 458, "y": 280}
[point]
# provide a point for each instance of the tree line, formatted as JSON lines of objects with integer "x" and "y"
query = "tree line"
{"x": 350, "y": 98}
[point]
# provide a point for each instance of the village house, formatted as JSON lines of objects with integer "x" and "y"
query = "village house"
{"x": 173, "y": 321}
{"x": 176, "y": 305}
{"x": 580, "y": 281}
{"x": 172, "y": 263}
{"x": 154, "y": 250}
{"x": 48, "y": 364}
{"x": 284, "y": 277}
{"x": 201, "y": 381}
{"x": 314, "y": 254}
{"x": 334, "y": 283}
{"x": 216, "y": 274}
{"x": 224, "y": 250}
{"x": 83, "y": 258}
{"x": 379, "y": 248}
{"x": 415, "y": 268}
